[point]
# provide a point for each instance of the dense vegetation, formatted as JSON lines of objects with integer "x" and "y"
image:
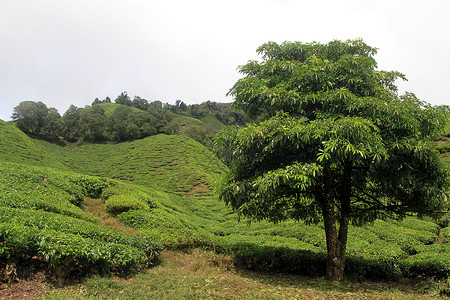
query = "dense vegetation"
{"x": 124, "y": 120}
{"x": 337, "y": 144}
{"x": 178, "y": 214}
{"x": 100, "y": 122}
{"x": 42, "y": 225}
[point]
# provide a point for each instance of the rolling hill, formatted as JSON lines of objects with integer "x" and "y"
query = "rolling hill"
{"x": 170, "y": 163}
{"x": 16, "y": 146}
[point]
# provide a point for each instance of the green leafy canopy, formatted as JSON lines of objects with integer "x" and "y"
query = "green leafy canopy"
{"x": 333, "y": 126}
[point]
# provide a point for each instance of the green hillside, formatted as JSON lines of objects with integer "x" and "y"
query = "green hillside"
{"x": 161, "y": 187}
{"x": 16, "y": 146}
{"x": 42, "y": 225}
{"x": 199, "y": 129}
{"x": 172, "y": 163}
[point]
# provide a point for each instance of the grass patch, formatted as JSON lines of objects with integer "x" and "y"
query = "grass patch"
{"x": 205, "y": 275}
{"x": 96, "y": 208}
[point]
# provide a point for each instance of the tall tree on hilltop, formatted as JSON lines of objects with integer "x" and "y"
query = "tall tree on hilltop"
{"x": 92, "y": 124}
{"x": 335, "y": 144}
{"x": 53, "y": 125}
{"x": 118, "y": 125}
{"x": 140, "y": 103}
{"x": 124, "y": 99}
{"x": 30, "y": 116}
{"x": 71, "y": 120}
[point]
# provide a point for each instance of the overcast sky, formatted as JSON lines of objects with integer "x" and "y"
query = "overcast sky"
{"x": 64, "y": 52}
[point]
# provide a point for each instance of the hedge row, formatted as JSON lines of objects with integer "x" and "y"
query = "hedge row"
{"x": 68, "y": 244}
{"x": 41, "y": 223}
{"x": 120, "y": 198}
{"x": 382, "y": 250}
{"x": 47, "y": 189}
{"x": 434, "y": 262}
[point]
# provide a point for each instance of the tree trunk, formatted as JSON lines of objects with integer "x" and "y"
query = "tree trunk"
{"x": 336, "y": 241}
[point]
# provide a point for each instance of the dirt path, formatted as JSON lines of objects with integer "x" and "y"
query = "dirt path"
{"x": 31, "y": 288}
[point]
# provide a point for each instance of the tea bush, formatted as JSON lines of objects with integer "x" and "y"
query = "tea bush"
{"x": 281, "y": 259}
{"x": 418, "y": 224}
{"x": 117, "y": 204}
{"x": 432, "y": 260}
{"x": 120, "y": 197}
{"x": 382, "y": 250}
{"x": 278, "y": 254}
{"x": 68, "y": 244}
{"x": 166, "y": 228}
{"x": 362, "y": 268}
{"x": 41, "y": 188}
{"x": 47, "y": 220}
{"x": 40, "y": 223}
{"x": 445, "y": 233}
{"x": 407, "y": 238}
{"x": 174, "y": 164}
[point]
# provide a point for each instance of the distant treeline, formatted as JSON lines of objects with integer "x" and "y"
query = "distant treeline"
{"x": 121, "y": 120}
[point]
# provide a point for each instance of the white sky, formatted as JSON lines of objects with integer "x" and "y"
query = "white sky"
{"x": 64, "y": 52}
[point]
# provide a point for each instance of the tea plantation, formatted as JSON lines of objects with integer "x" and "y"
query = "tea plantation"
{"x": 42, "y": 225}
{"x": 163, "y": 187}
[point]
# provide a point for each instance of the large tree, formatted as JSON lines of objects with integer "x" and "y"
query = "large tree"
{"x": 92, "y": 124}
{"x": 71, "y": 123}
{"x": 335, "y": 143}
{"x": 30, "y": 116}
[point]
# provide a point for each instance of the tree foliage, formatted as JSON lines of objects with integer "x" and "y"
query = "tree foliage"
{"x": 126, "y": 119}
{"x": 336, "y": 142}
{"x": 37, "y": 119}
{"x": 132, "y": 120}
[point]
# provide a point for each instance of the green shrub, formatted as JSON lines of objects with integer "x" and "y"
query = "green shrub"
{"x": 432, "y": 261}
{"x": 280, "y": 259}
{"x": 66, "y": 253}
{"x": 119, "y": 188}
{"x": 362, "y": 268}
{"x": 167, "y": 227}
{"x": 17, "y": 147}
{"x": 68, "y": 244}
{"x": 17, "y": 240}
{"x": 407, "y": 238}
{"x": 418, "y": 225}
{"x": 444, "y": 221}
{"x": 445, "y": 232}
{"x": 46, "y": 220}
{"x": 40, "y": 188}
{"x": 140, "y": 219}
{"x": 117, "y": 204}
{"x": 91, "y": 186}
